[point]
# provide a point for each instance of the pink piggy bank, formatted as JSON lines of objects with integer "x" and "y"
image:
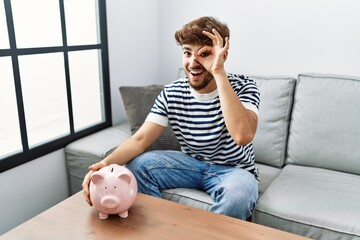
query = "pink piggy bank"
{"x": 113, "y": 190}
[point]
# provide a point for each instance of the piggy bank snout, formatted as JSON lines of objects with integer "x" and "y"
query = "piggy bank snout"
{"x": 110, "y": 202}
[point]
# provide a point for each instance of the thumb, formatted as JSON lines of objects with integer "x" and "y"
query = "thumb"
{"x": 97, "y": 166}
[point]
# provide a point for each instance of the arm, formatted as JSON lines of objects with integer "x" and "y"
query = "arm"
{"x": 132, "y": 147}
{"x": 240, "y": 122}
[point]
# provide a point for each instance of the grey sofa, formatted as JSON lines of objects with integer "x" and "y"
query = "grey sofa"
{"x": 307, "y": 148}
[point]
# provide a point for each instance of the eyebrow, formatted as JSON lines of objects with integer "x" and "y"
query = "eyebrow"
{"x": 189, "y": 49}
{"x": 186, "y": 48}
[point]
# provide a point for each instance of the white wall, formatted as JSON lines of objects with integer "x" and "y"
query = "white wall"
{"x": 133, "y": 36}
{"x": 272, "y": 37}
{"x": 31, "y": 188}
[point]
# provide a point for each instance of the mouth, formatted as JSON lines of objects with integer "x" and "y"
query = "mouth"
{"x": 111, "y": 209}
{"x": 196, "y": 72}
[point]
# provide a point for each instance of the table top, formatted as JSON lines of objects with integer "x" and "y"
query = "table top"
{"x": 149, "y": 218}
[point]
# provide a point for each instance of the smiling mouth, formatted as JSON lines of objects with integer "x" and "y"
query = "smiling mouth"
{"x": 196, "y": 72}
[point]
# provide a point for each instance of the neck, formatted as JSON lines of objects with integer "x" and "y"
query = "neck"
{"x": 208, "y": 89}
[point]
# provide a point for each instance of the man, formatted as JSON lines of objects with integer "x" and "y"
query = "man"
{"x": 214, "y": 117}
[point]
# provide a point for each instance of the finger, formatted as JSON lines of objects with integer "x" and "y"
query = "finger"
{"x": 86, "y": 190}
{"x": 212, "y": 37}
{"x": 209, "y": 35}
{"x": 87, "y": 197}
{"x": 204, "y": 49}
{"x": 97, "y": 166}
{"x": 219, "y": 39}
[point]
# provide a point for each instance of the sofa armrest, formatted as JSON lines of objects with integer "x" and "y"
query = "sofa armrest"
{"x": 82, "y": 153}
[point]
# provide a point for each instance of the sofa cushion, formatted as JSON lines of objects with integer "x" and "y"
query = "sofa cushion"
{"x": 325, "y": 128}
{"x": 266, "y": 174}
{"x": 190, "y": 197}
{"x": 276, "y": 95}
{"x": 138, "y": 102}
{"x": 313, "y": 202}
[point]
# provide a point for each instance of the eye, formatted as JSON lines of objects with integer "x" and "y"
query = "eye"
{"x": 204, "y": 54}
{"x": 186, "y": 53}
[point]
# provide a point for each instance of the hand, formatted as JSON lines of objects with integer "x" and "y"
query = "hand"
{"x": 87, "y": 179}
{"x": 213, "y": 57}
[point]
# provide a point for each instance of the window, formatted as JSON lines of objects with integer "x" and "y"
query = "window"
{"x": 54, "y": 76}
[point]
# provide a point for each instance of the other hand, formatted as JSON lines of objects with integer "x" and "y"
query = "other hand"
{"x": 87, "y": 179}
{"x": 213, "y": 57}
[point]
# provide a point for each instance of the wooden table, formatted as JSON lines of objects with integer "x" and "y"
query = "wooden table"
{"x": 149, "y": 218}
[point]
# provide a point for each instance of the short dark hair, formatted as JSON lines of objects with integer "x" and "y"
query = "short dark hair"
{"x": 191, "y": 33}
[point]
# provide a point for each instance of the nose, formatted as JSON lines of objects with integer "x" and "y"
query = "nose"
{"x": 193, "y": 62}
{"x": 110, "y": 202}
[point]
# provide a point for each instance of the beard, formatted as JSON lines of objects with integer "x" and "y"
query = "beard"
{"x": 203, "y": 84}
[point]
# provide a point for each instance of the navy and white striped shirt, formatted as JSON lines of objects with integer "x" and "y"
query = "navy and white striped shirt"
{"x": 198, "y": 123}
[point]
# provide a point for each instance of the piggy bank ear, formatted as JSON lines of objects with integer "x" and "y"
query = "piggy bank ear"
{"x": 125, "y": 176}
{"x": 97, "y": 177}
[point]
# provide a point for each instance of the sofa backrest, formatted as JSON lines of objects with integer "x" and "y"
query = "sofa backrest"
{"x": 325, "y": 125}
{"x": 276, "y": 94}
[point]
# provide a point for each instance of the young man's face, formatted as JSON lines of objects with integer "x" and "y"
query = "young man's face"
{"x": 199, "y": 78}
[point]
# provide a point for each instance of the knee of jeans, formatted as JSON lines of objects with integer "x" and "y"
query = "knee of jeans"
{"x": 141, "y": 163}
{"x": 235, "y": 202}
{"x": 243, "y": 194}
{"x": 251, "y": 190}
{"x": 246, "y": 190}
{"x": 246, "y": 200}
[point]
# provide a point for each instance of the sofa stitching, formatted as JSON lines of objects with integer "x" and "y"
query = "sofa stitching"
{"x": 305, "y": 223}
{"x": 188, "y": 197}
{"x": 316, "y": 75}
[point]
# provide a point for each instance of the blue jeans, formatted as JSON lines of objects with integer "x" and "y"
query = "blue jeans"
{"x": 233, "y": 190}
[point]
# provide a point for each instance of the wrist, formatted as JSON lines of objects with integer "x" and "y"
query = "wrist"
{"x": 220, "y": 73}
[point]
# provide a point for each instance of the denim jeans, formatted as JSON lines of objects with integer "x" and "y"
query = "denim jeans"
{"x": 233, "y": 190}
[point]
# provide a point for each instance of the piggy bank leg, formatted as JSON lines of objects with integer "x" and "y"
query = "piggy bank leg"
{"x": 123, "y": 214}
{"x": 103, "y": 216}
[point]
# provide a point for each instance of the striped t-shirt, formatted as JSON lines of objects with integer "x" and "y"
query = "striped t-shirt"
{"x": 198, "y": 123}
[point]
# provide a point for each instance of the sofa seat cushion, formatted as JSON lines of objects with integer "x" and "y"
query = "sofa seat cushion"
{"x": 266, "y": 175}
{"x": 81, "y": 153}
{"x": 313, "y": 202}
{"x": 190, "y": 197}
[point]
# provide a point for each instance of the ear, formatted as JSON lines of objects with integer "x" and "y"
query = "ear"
{"x": 226, "y": 55}
{"x": 125, "y": 176}
{"x": 97, "y": 177}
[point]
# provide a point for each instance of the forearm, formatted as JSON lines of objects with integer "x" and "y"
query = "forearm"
{"x": 124, "y": 152}
{"x": 239, "y": 121}
{"x": 135, "y": 145}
